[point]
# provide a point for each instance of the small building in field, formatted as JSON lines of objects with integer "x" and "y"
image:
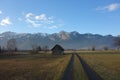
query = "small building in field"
{"x": 57, "y": 50}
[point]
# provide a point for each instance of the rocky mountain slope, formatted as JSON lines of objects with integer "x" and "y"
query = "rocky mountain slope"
{"x": 69, "y": 40}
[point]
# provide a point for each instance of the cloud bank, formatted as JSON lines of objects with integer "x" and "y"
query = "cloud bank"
{"x": 5, "y": 22}
{"x": 110, "y": 7}
{"x": 42, "y": 21}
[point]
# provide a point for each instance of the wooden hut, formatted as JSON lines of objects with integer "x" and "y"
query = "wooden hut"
{"x": 57, "y": 50}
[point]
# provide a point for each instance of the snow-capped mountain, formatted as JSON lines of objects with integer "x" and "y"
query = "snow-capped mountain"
{"x": 69, "y": 40}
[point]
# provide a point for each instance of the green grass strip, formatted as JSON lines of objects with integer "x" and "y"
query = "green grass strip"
{"x": 78, "y": 73}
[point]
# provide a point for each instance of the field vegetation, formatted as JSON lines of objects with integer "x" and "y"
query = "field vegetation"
{"x": 33, "y": 67}
{"x": 106, "y": 64}
{"x": 78, "y": 71}
{"x": 45, "y": 66}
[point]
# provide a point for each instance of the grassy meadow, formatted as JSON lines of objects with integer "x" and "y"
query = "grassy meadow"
{"x": 106, "y": 64}
{"x": 78, "y": 71}
{"x": 45, "y": 66}
{"x": 33, "y": 67}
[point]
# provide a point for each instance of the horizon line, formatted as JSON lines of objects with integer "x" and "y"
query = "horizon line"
{"x": 59, "y": 32}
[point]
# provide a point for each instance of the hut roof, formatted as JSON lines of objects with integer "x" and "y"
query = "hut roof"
{"x": 57, "y": 47}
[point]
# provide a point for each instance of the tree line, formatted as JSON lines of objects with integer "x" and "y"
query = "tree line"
{"x": 11, "y": 46}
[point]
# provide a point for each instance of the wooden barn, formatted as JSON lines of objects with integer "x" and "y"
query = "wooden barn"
{"x": 57, "y": 50}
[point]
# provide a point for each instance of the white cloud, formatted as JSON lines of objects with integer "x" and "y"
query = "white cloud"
{"x": 110, "y": 7}
{"x": 41, "y": 17}
{"x": 33, "y": 23}
{"x": 28, "y": 15}
{"x": 41, "y": 20}
{"x": 113, "y": 7}
{"x": 44, "y": 19}
{"x": 0, "y": 12}
{"x": 31, "y": 20}
{"x": 6, "y": 21}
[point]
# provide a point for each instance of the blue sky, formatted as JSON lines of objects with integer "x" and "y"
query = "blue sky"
{"x": 49, "y": 16}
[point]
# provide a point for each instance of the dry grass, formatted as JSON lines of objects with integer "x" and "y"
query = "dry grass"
{"x": 105, "y": 64}
{"x": 78, "y": 71}
{"x": 33, "y": 67}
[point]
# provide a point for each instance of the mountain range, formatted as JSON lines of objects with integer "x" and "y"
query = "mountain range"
{"x": 68, "y": 40}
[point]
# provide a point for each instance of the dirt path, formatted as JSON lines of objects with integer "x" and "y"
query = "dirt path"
{"x": 92, "y": 75}
{"x": 68, "y": 75}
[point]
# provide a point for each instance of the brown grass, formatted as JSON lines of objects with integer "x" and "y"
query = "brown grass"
{"x": 33, "y": 67}
{"x": 105, "y": 64}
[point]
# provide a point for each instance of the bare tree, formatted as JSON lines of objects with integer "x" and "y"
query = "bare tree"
{"x": 39, "y": 48}
{"x": 3, "y": 49}
{"x": 16, "y": 49}
{"x": 11, "y": 45}
{"x": 46, "y": 48}
{"x": 35, "y": 49}
{"x": 0, "y": 49}
{"x": 117, "y": 42}
{"x": 105, "y": 48}
{"x": 93, "y": 48}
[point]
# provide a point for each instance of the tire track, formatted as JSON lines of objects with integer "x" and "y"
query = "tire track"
{"x": 92, "y": 75}
{"x": 68, "y": 74}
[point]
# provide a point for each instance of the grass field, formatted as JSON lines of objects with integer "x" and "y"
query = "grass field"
{"x": 106, "y": 64}
{"x": 33, "y": 67}
{"x": 78, "y": 71}
{"x": 52, "y": 67}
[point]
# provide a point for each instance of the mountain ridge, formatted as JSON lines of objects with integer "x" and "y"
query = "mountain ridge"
{"x": 69, "y": 40}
